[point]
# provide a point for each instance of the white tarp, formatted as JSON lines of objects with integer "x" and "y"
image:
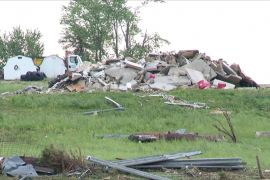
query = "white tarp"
{"x": 17, "y": 66}
{"x": 53, "y": 66}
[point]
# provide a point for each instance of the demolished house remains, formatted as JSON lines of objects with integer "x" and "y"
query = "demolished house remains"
{"x": 161, "y": 71}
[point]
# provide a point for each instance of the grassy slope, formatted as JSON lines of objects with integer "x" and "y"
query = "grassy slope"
{"x": 30, "y": 122}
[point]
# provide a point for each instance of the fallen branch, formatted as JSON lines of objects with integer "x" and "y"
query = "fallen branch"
{"x": 222, "y": 129}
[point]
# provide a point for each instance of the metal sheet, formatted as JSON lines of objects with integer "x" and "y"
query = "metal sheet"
{"x": 126, "y": 169}
{"x": 159, "y": 158}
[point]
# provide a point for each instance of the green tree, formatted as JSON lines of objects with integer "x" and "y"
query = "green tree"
{"x": 94, "y": 27}
{"x": 15, "y": 42}
{"x": 3, "y": 52}
{"x": 87, "y": 28}
{"x": 148, "y": 44}
{"x": 18, "y": 42}
{"x": 33, "y": 46}
{"x": 135, "y": 48}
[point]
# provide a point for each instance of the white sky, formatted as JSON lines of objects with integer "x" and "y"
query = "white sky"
{"x": 237, "y": 31}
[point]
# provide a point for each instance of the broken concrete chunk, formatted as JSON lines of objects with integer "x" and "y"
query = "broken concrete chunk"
{"x": 177, "y": 71}
{"x": 234, "y": 79}
{"x": 189, "y": 54}
{"x": 86, "y": 66}
{"x": 15, "y": 166}
{"x": 124, "y": 75}
{"x": 228, "y": 69}
{"x": 165, "y": 70}
{"x": 181, "y": 60}
{"x": 162, "y": 86}
{"x": 132, "y": 84}
{"x": 197, "y": 57}
{"x": 100, "y": 74}
{"x": 219, "y": 68}
{"x": 96, "y": 85}
{"x": 75, "y": 76}
{"x": 222, "y": 84}
{"x": 133, "y": 65}
{"x": 170, "y": 59}
{"x": 168, "y": 83}
{"x": 200, "y": 65}
{"x": 194, "y": 75}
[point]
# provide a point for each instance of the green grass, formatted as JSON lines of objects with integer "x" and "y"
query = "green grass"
{"x": 28, "y": 123}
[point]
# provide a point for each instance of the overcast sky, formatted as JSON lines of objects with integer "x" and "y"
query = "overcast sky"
{"x": 237, "y": 31}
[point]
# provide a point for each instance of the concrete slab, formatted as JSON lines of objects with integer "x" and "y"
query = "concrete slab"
{"x": 167, "y": 83}
{"x": 177, "y": 71}
{"x": 217, "y": 83}
{"x": 124, "y": 75}
{"x": 194, "y": 75}
{"x": 133, "y": 65}
{"x": 234, "y": 79}
{"x": 204, "y": 68}
{"x": 228, "y": 69}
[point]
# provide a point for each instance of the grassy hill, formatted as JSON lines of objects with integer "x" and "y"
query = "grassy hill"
{"x": 28, "y": 123}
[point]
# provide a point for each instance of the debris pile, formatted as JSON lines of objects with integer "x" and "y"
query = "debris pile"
{"x": 169, "y": 161}
{"x": 173, "y": 100}
{"x": 161, "y": 71}
{"x": 52, "y": 162}
{"x": 27, "y": 90}
{"x": 169, "y": 136}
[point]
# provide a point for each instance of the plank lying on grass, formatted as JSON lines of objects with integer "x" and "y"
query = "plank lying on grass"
{"x": 125, "y": 169}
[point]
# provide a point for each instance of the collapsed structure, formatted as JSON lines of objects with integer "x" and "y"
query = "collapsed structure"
{"x": 158, "y": 71}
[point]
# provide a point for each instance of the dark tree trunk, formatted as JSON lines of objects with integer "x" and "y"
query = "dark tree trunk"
{"x": 116, "y": 48}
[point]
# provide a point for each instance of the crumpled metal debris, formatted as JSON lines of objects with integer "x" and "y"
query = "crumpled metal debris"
{"x": 27, "y": 90}
{"x": 117, "y": 107}
{"x": 172, "y": 100}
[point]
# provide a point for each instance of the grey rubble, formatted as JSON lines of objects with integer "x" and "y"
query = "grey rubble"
{"x": 160, "y": 71}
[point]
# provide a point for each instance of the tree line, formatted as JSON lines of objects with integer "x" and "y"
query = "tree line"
{"x": 93, "y": 29}
{"x": 19, "y": 42}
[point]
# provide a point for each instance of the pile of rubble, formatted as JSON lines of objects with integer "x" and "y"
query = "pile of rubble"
{"x": 58, "y": 164}
{"x": 161, "y": 71}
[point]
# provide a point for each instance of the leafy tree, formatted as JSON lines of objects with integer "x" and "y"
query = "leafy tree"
{"x": 15, "y": 42}
{"x": 148, "y": 44}
{"x": 87, "y": 27}
{"x": 3, "y": 52}
{"x": 18, "y": 42}
{"x": 33, "y": 46}
{"x": 94, "y": 27}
